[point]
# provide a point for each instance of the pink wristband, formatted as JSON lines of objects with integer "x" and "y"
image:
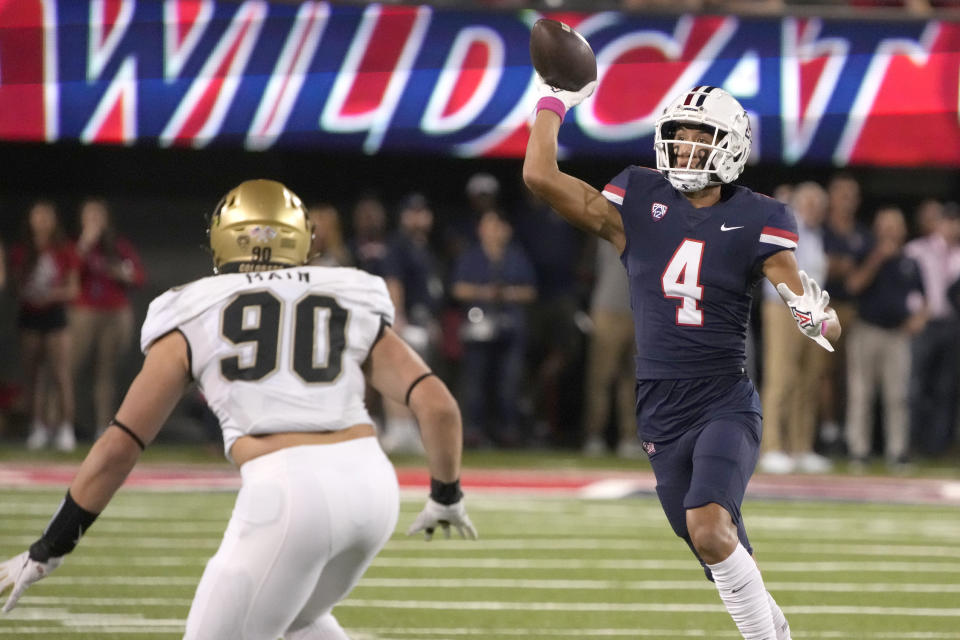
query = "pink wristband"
{"x": 551, "y": 104}
{"x": 823, "y": 328}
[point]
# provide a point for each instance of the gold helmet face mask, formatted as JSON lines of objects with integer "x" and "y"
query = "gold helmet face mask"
{"x": 258, "y": 226}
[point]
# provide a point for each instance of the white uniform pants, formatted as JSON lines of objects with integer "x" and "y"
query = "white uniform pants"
{"x": 307, "y": 522}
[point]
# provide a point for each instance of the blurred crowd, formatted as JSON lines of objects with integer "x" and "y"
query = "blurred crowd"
{"x": 529, "y": 322}
{"x": 73, "y": 311}
{"x": 897, "y": 299}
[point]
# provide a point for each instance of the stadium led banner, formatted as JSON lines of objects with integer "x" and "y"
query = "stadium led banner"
{"x": 383, "y": 78}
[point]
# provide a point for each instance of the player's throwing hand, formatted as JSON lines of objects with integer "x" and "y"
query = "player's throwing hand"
{"x": 569, "y": 99}
{"x": 22, "y": 571}
{"x": 809, "y": 309}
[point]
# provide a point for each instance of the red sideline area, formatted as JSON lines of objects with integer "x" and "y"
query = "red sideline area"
{"x": 571, "y": 483}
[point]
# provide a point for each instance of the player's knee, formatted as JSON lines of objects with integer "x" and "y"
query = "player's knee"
{"x": 712, "y": 532}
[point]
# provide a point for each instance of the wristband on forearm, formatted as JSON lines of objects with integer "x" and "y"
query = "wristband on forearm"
{"x": 446, "y": 493}
{"x": 551, "y": 103}
{"x": 64, "y": 531}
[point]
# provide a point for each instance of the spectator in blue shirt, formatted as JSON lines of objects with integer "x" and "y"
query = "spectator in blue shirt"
{"x": 890, "y": 309}
{"x": 493, "y": 281}
{"x": 368, "y": 246}
{"x": 557, "y": 251}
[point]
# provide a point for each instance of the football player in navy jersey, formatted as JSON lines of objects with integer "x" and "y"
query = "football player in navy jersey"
{"x": 693, "y": 245}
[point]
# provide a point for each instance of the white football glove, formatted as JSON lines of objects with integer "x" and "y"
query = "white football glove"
{"x": 21, "y": 572}
{"x": 570, "y": 99}
{"x": 809, "y": 309}
{"x": 435, "y": 514}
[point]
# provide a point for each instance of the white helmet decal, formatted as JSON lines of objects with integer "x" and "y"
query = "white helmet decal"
{"x": 727, "y": 153}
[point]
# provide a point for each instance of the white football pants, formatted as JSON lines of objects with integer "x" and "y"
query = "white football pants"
{"x": 307, "y": 522}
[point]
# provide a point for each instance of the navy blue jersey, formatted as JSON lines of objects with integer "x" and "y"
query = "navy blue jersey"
{"x": 691, "y": 271}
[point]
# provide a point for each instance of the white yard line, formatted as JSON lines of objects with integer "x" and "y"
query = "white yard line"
{"x": 497, "y": 605}
{"x": 634, "y": 607}
{"x": 647, "y": 633}
{"x": 638, "y": 565}
{"x": 551, "y": 585}
{"x": 646, "y": 585}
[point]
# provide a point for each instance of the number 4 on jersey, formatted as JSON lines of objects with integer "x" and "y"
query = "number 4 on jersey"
{"x": 681, "y": 280}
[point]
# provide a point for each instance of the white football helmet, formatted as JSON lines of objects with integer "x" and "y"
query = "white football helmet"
{"x": 717, "y": 112}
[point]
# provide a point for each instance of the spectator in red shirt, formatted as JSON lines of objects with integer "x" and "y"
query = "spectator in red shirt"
{"x": 101, "y": 320}
{"x": 44, "y": 275}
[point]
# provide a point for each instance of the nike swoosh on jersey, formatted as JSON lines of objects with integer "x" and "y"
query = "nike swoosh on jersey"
{"x": 724, "y": 227}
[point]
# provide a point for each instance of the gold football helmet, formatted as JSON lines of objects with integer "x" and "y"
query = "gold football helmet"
{"x": 259, "y": 225}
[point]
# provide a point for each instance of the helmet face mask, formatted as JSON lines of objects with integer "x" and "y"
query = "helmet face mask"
{"x": 705, "y": 160}
{"x": 258, "y": 226}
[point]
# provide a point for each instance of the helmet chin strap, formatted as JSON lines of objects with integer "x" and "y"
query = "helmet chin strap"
{"x": 688, "y": 181}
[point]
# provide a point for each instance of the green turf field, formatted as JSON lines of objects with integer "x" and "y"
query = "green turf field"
{"x": 543, "y": 568}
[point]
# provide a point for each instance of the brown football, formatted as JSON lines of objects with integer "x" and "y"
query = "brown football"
{"x": 561, "y": 56}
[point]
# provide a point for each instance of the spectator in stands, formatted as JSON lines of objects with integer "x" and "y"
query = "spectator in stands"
{"x": 555, "y": 352}
{"x": 890, "y": 309}
{"x": 101, "y": 318}
{"x": 610, "y": 358}
{"x": 483, "y": 193}
{"x": 45, "y": 277}
{"x": 845, "y": 242}
{"x": 369, "y": 245}
{"x": 415, "y": 283}
{"x": 792, "y": 364}
{"x": 493, "y": 280}
{"x": 936, "y": 353}
{"x": 327, "y": 248}
{"x": 928, "y": 216}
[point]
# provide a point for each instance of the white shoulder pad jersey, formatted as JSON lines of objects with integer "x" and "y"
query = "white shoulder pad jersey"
{"x": 277, "y": 351}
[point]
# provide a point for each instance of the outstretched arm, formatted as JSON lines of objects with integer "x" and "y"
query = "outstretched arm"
{"x": 809, "y": 307}
{"x": 396, "y": 371}
{"x": 149, "y": 401}
{"x": 576, "y": 201}
{"x": 151, "y": 398}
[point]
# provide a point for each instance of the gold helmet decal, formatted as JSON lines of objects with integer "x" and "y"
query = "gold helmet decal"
{"x": 259, "y": 225}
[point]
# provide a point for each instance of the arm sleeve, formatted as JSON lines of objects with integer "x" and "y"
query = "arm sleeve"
{"x": 779, "y": 231}
{"x": 380, "y": 300}
{"x": 161, "y": 319}
{"x": 616, "y": 189}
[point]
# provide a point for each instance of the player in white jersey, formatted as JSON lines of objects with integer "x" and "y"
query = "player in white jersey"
{"x": 282, "y": 353}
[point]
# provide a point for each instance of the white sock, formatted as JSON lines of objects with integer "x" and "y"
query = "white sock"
{"x": 741, "y": 588}
{"x": 779, "y": 620}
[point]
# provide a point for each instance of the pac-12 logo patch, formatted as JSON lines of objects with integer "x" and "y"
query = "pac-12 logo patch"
{"x": 658, "y": 210}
